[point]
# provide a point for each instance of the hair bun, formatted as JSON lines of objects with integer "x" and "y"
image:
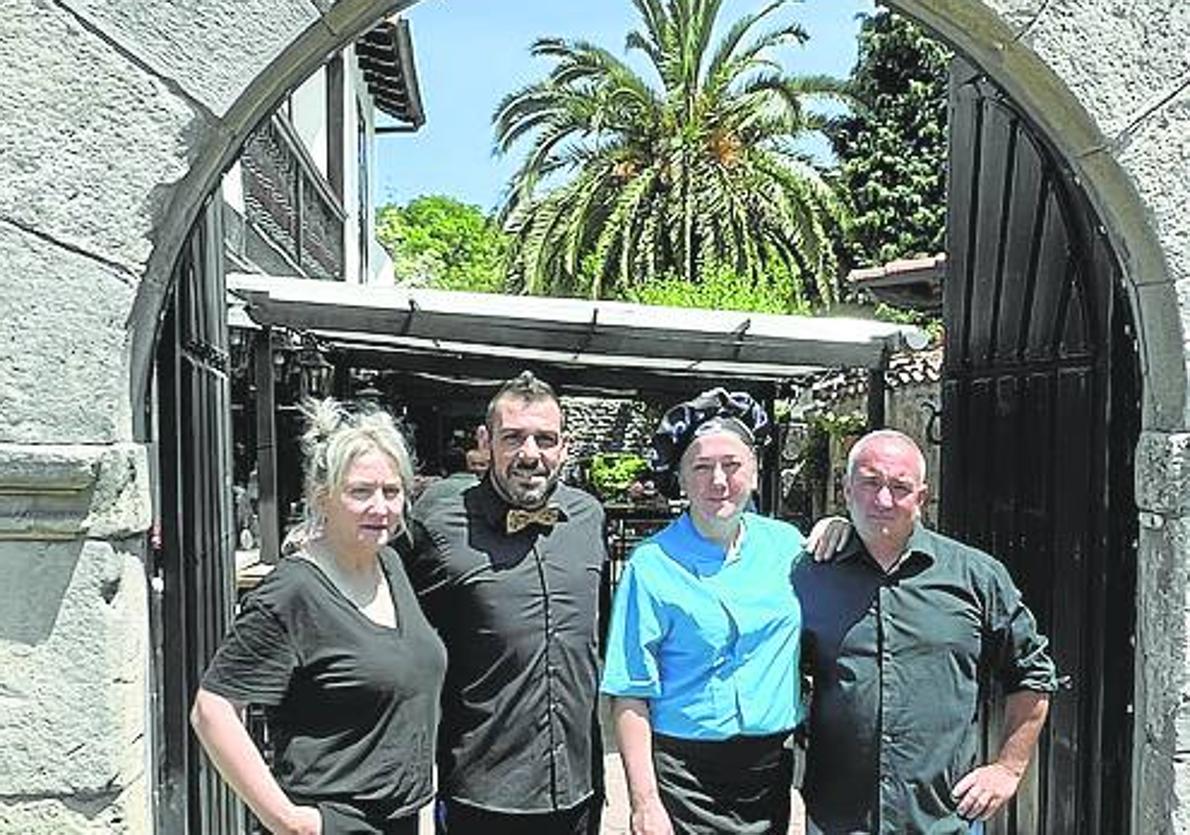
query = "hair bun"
{"x": 323, "y": 418}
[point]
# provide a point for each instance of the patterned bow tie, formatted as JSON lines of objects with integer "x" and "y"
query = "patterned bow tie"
{"x": 518, "y": 519}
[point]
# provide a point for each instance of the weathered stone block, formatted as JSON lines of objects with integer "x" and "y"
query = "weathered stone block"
{"x": 73, "y": 647}
{"x": 1163, "y": 585}
{"x": 63, "y": 372}
{"x": 1156, "y": 154}
{"x": 1163, "y": 580}
{"x": 1164, "y": 365}
{"x": 1018, "y": 14}
{"x": 1155, "y": 787}
{"x": 1163, "y": 473}
{"x": 115, "y": 813}
{"x": 63, "y": 492}
{"x": 71, "y": 107}
{"x": 239, "y": 38}
{"x": 351, "y": 16}
{"x": 1120, "y": 59}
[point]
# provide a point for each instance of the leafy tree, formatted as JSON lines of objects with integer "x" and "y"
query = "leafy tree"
{"x": 440, "y": 242}
{"x": 724, "y": 289}
{"x": 892, "y": 145}
{"x": 627, "y": 179}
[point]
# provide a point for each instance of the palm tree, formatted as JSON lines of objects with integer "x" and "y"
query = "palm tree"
{"x": 625, "y": 180}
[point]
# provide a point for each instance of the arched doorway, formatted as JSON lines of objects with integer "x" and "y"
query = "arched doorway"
{"x": 1082, "y": 223}
{"x": 1041, "y": 416}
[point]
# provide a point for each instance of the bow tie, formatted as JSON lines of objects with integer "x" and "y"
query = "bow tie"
{"x": 518, "y": 518}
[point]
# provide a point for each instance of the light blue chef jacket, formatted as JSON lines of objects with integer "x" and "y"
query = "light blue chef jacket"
{"x": 710, "y": 639}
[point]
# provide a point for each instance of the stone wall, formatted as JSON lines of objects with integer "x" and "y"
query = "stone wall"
{"x": 605, "y": 424}
{"x": 906, "y": 409}
{"x": 1161, "y": 765}
{"x": 116, "y": 117}
{"x": 74, "y": 642}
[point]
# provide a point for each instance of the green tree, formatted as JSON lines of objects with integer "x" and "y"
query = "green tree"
{"x": 440, "y": 242}
{"x": 892, "y": 145}
{"x": 627, "y": 179}
{"x": 721, "y": 288}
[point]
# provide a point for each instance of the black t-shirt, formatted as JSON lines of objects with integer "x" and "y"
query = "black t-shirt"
{"x": 352, "y": 705}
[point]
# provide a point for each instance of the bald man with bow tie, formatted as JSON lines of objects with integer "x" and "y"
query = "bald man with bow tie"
{"x": 508, "y": 570}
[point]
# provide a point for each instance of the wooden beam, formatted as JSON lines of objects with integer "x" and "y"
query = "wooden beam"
{"x": 335, "y": 125}
{"x": 770, "y": 476}
{"x": 876, "y": 391}
{"x": 266, "y": 447}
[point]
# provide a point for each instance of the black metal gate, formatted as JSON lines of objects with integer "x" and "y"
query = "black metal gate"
{"x": 193, "y": 570}
{"x": 1041, "y": 417}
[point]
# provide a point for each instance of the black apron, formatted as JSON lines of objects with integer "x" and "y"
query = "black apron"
{"x": 738, "y": 786}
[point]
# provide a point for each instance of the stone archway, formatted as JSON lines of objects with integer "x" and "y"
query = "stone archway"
{"x": 1063, "y": 65}
{"x": 115, "y": 122}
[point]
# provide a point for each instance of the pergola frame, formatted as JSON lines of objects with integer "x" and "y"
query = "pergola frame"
{"x": 584, "y": 347}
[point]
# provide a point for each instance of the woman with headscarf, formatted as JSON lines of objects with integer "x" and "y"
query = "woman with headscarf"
{"x": 334, "y": 645}
{"x": 702, "y": 658}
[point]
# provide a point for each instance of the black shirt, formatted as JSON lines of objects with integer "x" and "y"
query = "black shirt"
{"x": 351, "y": 704}
{"x": 518, "y": 614}
{"x": 899, "y": 662}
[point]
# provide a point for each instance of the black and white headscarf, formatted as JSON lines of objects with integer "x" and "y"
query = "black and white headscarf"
{"x": 716, "y": 410}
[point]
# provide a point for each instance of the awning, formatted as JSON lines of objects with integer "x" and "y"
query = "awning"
{"x": 914, "y": 283}
{"x": 442, "y": 343}
{"x": 439, "y": 327}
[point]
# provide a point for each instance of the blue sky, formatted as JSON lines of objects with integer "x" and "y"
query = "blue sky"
{"x": 471, "y": 53}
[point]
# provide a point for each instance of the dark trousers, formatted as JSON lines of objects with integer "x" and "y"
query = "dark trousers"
{"x": 343, "y": 819}
{"x": 977, "y": 828}
{"x": 453, "y": 818}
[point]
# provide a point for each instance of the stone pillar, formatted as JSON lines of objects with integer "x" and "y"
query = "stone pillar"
{"x": 1161, "y": 771}
{"x": 74, "y": 644}
{"x": 116, "y": 117}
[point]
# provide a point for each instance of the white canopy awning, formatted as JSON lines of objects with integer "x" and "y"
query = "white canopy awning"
{"x": 414, "y": 321}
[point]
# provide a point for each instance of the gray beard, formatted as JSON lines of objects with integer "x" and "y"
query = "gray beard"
{"x": 524, "y": 497}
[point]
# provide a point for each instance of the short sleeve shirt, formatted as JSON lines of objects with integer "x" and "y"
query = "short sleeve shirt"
{"x": 710, "y": 640}
{"x": 899, "y": 662}
{"x": 351, "y": 704}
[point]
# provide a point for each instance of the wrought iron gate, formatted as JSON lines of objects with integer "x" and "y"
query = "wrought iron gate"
{"x": 193, "y": 570}
{"x": 1041, "y": 417}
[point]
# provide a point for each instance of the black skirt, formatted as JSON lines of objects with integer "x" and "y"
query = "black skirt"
{"x": 349, "y": 819}
{"x": 739, "y": 786}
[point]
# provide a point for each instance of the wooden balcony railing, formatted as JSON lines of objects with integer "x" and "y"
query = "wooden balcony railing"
{"x": 289, "y": 202}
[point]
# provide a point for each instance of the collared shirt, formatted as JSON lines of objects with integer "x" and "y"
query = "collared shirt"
{"x": 899, "y": 662}
{"x": 518, "y": 614}
{"x": 709, "y": 638}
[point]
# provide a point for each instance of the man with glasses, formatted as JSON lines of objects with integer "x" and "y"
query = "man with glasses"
{"x": 901, "y": 631}
{"x": 508, "y": 570}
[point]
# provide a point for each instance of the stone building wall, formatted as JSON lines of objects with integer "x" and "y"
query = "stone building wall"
{"x": 116, "y": 119}
{"x": 912, "y": 404}
{"x": 605, "y": 424}
{"x": 903, "y": 411}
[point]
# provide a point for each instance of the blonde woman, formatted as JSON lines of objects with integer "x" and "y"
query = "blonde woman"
{"x": 334, "y": 645}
